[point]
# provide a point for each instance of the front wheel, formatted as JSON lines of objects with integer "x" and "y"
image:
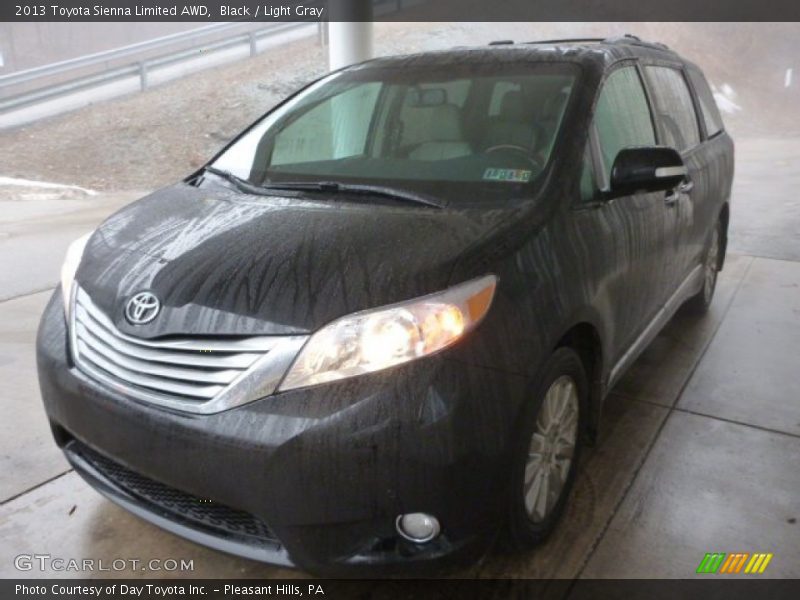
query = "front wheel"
{"x": 701, "y": 302}
{"x": 548, "y": 450}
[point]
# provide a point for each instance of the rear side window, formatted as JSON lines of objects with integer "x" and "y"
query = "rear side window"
{"x": 674, "y": 107}
{"x": 708, "y": 106}
{"x": 622, "y": 116}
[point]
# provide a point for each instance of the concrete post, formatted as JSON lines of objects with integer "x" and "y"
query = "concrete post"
{"x": 348, "y": 43}
{"x": 349, "y": 33}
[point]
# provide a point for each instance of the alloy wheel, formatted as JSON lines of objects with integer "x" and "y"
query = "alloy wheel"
{"x": 710, "y": 268}
{"x": 551, "y": 448}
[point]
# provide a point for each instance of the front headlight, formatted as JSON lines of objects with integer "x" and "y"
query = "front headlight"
{"x": 391, "y": 335}
{"x": 70, "y": 267}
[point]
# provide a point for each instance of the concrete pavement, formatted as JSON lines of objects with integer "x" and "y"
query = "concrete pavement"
{"x": 698, "y": 451}
{"x": 37, "y": 225}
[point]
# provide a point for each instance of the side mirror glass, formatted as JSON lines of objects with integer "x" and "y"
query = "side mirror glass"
{"x": 646, "y": 169}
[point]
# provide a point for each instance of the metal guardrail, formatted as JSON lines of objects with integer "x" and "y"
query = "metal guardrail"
{"x": 137, "y": 67}
{"x": 109, "y": 55}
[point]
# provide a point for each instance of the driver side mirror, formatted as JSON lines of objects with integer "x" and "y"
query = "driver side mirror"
{"x": 646, "y": 169}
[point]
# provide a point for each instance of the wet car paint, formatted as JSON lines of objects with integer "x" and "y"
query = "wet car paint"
{"x": 226, "y": 264}
{"x": 330, "y": 467}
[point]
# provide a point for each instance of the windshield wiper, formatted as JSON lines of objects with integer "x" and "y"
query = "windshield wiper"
{"x": 332, "y": 187}
{"x": 241, "y": 184}
{"x": 335, "y": 187}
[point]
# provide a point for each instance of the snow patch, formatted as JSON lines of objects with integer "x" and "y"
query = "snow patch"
{"x": 28, "y": 183}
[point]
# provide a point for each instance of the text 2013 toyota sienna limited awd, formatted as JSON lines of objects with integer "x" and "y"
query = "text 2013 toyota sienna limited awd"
{"x": 377, "y": 329}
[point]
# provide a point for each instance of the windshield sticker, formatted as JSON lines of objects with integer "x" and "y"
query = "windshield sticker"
{"x": 512, "y": 175}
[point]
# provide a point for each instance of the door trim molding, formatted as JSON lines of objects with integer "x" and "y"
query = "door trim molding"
{"x": 685, "y": 290}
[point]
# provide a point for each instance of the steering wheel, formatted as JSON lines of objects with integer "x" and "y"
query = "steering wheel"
{"x": 520, "y": 149}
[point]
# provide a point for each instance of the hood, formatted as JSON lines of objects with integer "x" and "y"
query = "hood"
{"x": 224, "y": 263}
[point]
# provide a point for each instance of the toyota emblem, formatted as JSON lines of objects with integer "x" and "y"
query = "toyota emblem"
{"x": 142, "y": 308}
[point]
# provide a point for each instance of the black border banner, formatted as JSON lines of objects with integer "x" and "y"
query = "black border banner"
{"x": 399, "y": 10}
{"x": 712, "y": 587}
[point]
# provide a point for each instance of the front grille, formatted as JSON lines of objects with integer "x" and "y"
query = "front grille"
{"x": 199, "y": 513}
{"x": 192, "y": 369}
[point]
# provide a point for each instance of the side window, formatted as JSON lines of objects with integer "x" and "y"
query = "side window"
{"x": 674, "y": 107}
{"x": 622, "y": 116}
{"x": 708, "y": 106}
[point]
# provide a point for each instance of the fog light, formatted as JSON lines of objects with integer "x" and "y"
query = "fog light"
{"x": 417, "y": 527}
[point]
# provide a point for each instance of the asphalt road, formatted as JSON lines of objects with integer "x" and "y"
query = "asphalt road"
{"x": 698, "y": 452}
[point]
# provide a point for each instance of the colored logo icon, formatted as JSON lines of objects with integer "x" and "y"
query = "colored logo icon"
{"x": 734, "y": 563}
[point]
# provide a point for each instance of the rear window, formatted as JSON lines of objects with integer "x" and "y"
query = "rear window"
{"x": 674, "y": 107}
{"x": 708, "y": 106}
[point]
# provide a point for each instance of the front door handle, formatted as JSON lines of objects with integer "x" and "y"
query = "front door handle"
{"x": 672, "y": 197}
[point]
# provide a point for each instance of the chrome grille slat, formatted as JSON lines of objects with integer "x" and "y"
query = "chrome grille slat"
{"x": 154, "y": 383}
{"x": 233, "y": 361}
{"x": 224, "y": 377}
{"x": 192, "y": 374}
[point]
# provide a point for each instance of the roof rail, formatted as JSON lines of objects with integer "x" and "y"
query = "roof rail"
{"x": 623, "y": 39}
{"x": 567, "y": 41}
{"x": 635, "y": 40}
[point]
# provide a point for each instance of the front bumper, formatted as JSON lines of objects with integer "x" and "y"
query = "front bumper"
{"x": 326, "y": 469}
{"x": 197, "y": 519}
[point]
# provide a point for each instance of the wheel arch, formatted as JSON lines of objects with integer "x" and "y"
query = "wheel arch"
{"x": 584, "y": 338}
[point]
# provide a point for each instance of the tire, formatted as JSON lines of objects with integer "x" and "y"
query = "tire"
{"x": 533, "y": 515}
{"x": 701, "y": 302}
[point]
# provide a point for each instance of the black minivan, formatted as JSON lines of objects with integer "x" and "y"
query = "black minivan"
{"x": 378, "y": 327}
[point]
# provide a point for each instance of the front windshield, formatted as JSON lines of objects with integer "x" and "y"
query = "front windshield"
{"x": 459, "y": 132}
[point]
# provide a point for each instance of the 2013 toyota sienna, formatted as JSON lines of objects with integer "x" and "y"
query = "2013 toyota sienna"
{"x": 378, "y": 327}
